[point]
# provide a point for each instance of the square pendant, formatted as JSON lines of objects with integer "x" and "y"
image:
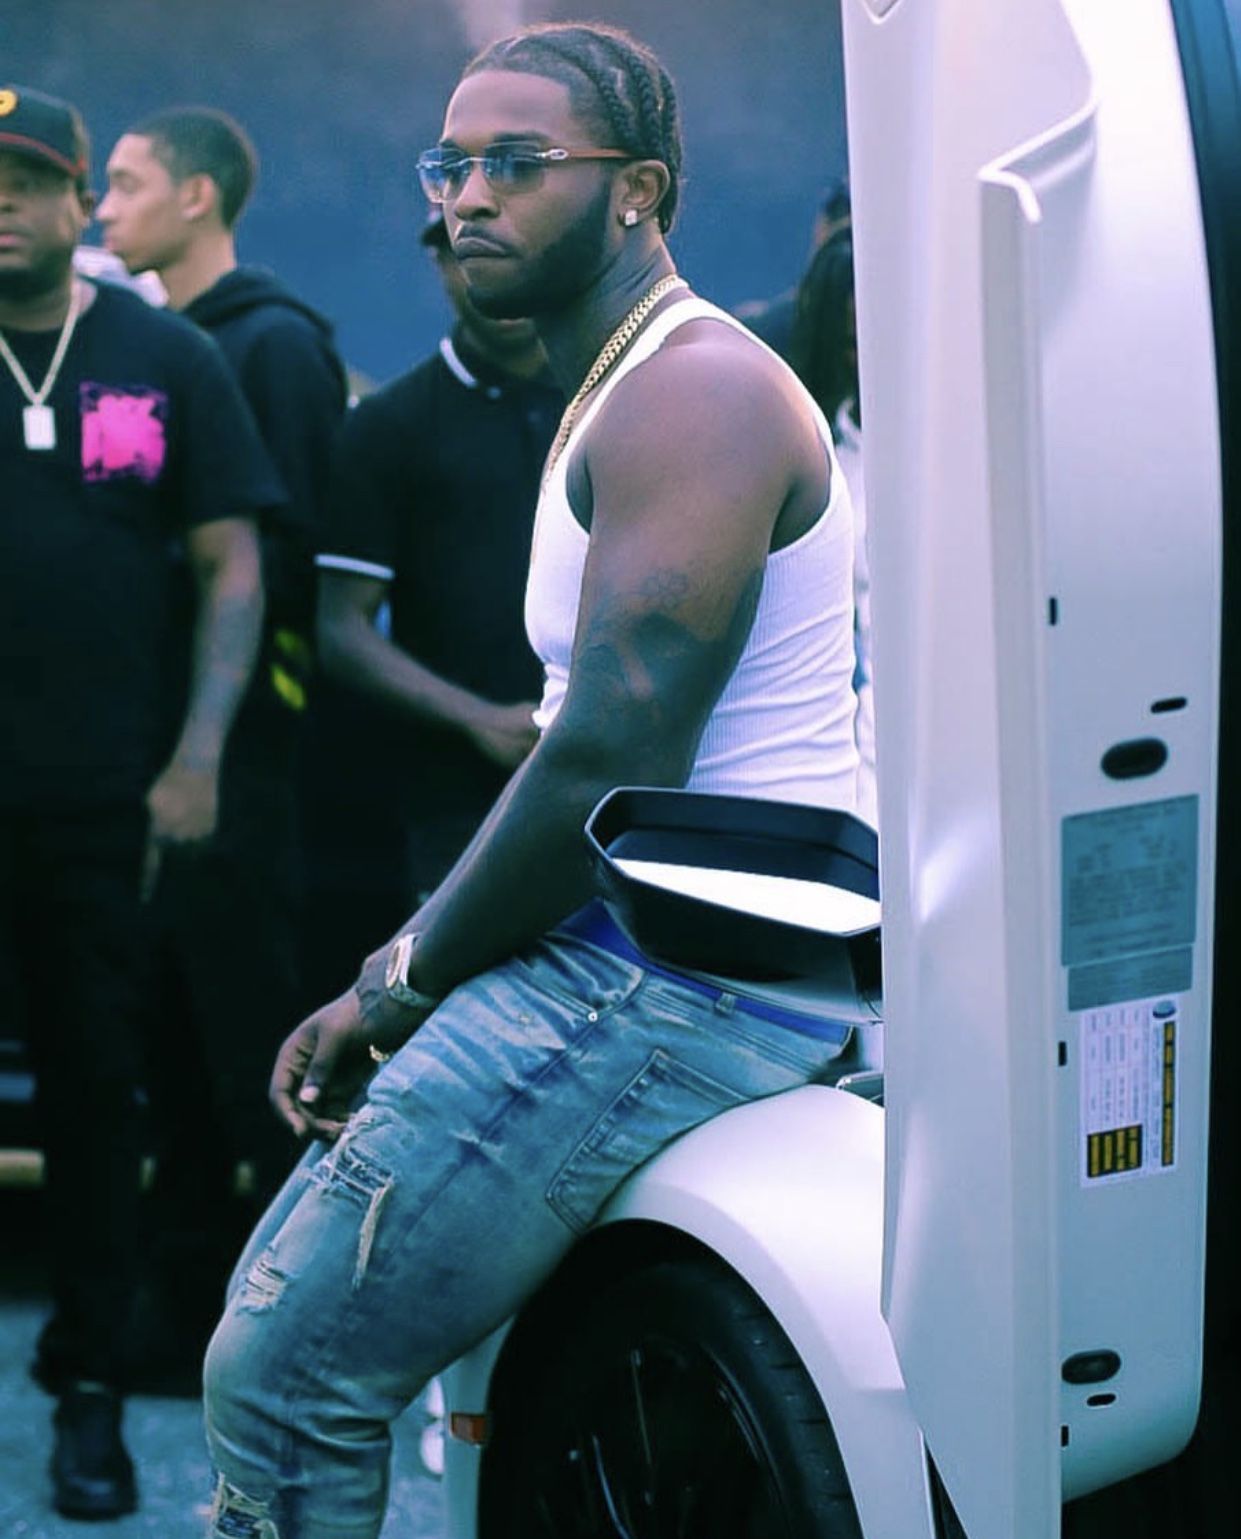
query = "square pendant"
{"x": 39, "y": 427}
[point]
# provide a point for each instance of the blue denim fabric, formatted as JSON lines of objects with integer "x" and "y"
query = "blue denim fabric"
{"x": 485, "y": 1147}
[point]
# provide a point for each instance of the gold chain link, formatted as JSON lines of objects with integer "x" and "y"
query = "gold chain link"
{"x": 609, "y": 353}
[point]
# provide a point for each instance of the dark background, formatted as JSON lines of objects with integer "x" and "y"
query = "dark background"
{"x": 340, "y": 95}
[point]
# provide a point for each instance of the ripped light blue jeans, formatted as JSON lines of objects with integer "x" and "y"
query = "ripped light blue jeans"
{"x": 485, "y": 1147}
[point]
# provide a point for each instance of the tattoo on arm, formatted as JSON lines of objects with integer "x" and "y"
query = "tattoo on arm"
{"x": 655, "y": 673}
{"x": 666, "y": 587}
{"x": 226, "y": 637}
{"x": 641, "y": 692}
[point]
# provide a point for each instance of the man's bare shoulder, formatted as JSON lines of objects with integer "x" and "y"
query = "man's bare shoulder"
{"x": 712, "y": 427}
{"x": 711, "y": 401}
{"x": 708, "y": 369}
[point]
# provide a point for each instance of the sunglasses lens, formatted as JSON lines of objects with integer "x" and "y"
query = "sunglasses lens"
{"x": 509, "y": 167}
{"x": 439, "y": 173}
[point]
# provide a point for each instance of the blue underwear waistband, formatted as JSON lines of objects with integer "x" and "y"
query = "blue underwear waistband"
{"x": 594, "y": 924}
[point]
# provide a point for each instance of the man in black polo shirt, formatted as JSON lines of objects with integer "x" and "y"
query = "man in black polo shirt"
{"x": 432, "y": 508}
{"x": 126, "y": 457}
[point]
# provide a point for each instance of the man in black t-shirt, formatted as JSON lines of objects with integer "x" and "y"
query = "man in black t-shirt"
{"x": 431, "y": 511}
{"x": 178, "y": 184}
{"x": 127, "y": 459}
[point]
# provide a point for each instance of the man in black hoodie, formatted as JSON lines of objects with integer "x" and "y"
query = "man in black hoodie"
{"x": 177, "y": 184}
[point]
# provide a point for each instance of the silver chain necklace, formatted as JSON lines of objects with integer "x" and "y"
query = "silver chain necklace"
{"x": 38, "y": 418}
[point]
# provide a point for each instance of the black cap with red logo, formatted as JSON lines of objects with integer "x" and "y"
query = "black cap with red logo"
{"x": 45, "y": 129}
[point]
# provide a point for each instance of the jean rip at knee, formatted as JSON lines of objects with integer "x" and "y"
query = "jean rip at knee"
{"x": 344, "y": 1199}
{"x": 234, "y": 1515}
{"x": 350, "y": 1172}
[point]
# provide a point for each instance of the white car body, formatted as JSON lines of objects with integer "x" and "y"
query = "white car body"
{"x": 789, "y": 1192}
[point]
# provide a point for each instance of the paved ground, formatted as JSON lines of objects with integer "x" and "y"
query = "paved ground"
{"x": 164, "y": 1436}
{"x": 1195, "y": 1498}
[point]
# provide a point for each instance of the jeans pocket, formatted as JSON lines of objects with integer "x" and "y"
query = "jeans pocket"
{"x": 663, "y": 1099}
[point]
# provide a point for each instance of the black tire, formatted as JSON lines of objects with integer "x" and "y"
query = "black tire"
{"x": 669, "y": 1406}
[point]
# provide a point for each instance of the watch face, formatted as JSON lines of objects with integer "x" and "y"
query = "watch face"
{"x": 392, "y": 973}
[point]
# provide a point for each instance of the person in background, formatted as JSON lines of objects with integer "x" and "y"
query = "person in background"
{"x": 823, "y": 350}
{"x": 227, "y": 949}
{"x": 434, "y": 491}
{"x": 130, "y": 468}
{"x": 690, "y": 597}
{"x": 772, "y": 319}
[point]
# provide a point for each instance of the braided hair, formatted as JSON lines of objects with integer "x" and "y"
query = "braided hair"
{"x": 616, "y": 84}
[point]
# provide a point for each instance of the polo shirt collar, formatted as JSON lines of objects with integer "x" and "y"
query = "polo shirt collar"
{"x": 475, "y": 375}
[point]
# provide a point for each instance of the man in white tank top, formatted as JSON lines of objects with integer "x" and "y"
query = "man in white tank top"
{"x": 690, "y": 595}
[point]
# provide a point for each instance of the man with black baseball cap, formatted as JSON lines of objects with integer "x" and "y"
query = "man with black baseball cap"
{"x": 43, "y": 128}
{"x": 130, "y": 468}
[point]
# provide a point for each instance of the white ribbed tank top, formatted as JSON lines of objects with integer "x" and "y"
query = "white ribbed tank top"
{"x": 783, "y": 727}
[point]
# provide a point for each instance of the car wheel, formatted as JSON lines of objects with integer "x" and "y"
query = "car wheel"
{"x": 669, "y": 1406}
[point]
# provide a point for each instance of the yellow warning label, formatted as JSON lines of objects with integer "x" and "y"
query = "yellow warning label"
{"x": 1114, "y": 1152}
{"x": 1127, "y": 1055}
{"x": 1167, "y": 1151}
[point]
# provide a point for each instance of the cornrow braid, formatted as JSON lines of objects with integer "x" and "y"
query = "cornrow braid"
{"x": 658, "y": 115}
{"x": 615, "y": 83}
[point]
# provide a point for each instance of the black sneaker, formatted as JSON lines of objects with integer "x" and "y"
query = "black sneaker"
{"x": 92, "y": 1474}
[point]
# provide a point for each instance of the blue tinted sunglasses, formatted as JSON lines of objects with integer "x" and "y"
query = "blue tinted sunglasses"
{"x": 507, "y": 167}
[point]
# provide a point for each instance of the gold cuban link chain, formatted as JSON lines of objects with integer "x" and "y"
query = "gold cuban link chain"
{"x": 609, "y": 353}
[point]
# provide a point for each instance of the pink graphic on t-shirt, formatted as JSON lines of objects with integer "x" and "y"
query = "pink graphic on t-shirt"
{"x": 122, "y": 432}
